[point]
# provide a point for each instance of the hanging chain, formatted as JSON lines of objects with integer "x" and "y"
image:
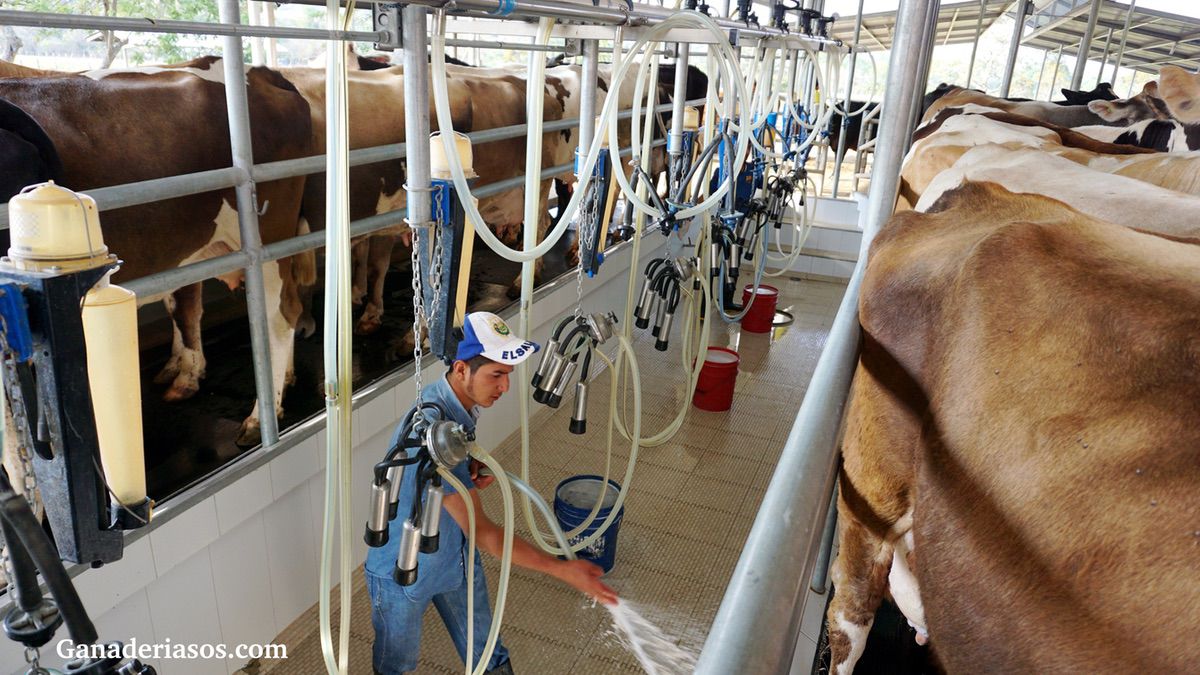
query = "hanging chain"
{"x": 32, "y": 659}
{"x": 420, "y": 316}
{"x": 16, "y": 408}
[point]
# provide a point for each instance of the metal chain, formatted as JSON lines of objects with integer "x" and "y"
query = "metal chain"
{"x": 32, "y": 658}
{"x": 421, "y": 316}
{"x": 16, "y": 408}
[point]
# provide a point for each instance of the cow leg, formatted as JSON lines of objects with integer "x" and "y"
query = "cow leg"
{"x": 859, "y": 577}
{"x": 186, "y": 367}
{"x": 378, "y": 262}
{"x": 360, "y": 253}
{"x": 281, "y": 336}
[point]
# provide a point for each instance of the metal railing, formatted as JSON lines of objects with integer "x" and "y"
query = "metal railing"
{"x": 757, "y": 625}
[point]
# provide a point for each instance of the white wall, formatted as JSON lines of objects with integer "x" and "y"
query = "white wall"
{"x": 241, "y": 565}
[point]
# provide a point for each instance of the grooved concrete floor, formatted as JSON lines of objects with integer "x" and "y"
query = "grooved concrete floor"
{"x": 690, "y": 507}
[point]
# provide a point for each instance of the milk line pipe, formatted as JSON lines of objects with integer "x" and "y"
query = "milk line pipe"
{"x": 336, "y": 345}
{"x": 237, "y": 109}
{"x": 10, "y": 17}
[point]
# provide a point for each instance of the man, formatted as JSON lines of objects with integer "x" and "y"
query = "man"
{"x": 477, "y": 379}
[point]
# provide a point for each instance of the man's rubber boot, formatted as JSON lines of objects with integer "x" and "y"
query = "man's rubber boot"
{"x": 502, "y": 669}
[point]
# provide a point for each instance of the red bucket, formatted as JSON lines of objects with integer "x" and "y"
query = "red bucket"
{"x": 714, "y": 387}
{"x": 762, "y": 312}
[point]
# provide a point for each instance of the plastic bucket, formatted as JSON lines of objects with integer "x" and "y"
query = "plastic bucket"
{"x": 762, "y": 313}
{"x": 718, "y": 375}
{"x": 573, "y": 501}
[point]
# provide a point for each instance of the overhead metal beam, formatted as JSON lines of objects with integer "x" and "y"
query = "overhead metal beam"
{"x": 1060, "y": 21}
{"x": 1124, "y": 36}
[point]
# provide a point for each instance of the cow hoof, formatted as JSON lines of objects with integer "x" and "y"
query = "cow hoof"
{"x": 250, "y": 434}
{"x": 367, "y": 326}
{"x": 305, "y": 326}
{"x": 168, "y": 373}
{"x": 180, "y": 392}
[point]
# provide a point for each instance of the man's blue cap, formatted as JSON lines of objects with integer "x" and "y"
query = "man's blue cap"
{"x": 485, "y": 334}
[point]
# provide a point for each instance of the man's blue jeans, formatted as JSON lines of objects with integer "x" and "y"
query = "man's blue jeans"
{"x": 397, "y": 616}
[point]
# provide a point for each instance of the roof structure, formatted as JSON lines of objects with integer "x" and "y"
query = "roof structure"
{"x": 1155, "y": 38}
{"x": 956, "y": 24}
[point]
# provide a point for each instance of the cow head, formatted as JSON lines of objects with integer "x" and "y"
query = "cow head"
{"x": 1180, "y": 91}
{"x": 1102, "y": 92}
{"x": 1123, "y": 112}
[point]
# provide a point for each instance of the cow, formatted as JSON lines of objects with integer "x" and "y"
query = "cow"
{"x": 1146, "y": 105}
{"x": 941, "y": 142}
{"x": 122, "y": 127}
{"x": 1063, "y": 115}
{"x": 1181, "y": 93}
{"x": 10, "y": 69}
{"x": 1102, "y": 92}
{"x": 853, "y": 127}
{"x": 1019, "y": 462}
{"x": 1117, "y": 198}
{"x": 27, "y": 155}
{"x": 480, "y": 99}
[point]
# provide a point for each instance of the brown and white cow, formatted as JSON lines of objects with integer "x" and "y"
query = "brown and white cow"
{"x": 1020, "y": 449}
{"x": 119, "y": 127}
{"x": 1062, "y": 115}
{"x": 1180, "y": 90}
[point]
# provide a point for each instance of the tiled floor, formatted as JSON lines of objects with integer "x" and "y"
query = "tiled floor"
{"x": 689, "y": 509}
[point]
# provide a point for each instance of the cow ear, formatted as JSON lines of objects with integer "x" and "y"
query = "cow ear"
{"x": 1104, "y": 109}
{"x": 1151, "y": 89}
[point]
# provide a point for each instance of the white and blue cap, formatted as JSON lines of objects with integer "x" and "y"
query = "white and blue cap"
{"x": 485, "y": 334}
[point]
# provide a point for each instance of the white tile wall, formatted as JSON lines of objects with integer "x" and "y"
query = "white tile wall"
{"x": 244, "y": 498}
{"x": 374, "y": 415}
{"x": 106, "y": 587}
{"x": 183, "y": 607}
{"x": 184, "y": 535}
{"x": 297, "y": 464}
{"x": 243, "y": 596}
{"x": 291, "y": 554}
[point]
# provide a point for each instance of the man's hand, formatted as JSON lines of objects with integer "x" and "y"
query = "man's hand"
{"x": 585, "y": 577}
{"x": 481, "y": 480}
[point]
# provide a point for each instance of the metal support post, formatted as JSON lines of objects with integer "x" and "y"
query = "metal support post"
{"x": 1037, "y": 91}
{"x": 1013, "y": 47}
{"x": 926, "y": 58}
{"x": 1085, "y": 45}
{"x": 1054, "y": 77}
{"x": 1124, "y": 34}
{"x": 238, "y": 109}
{"x": 848, "y": 106}
{"x": 416, "y": 127}
{"x": 755, "y": 628}
{"x": 587, "y": 103}
{"x": 975, "y": 45}
{"x": 1104, "y": 58}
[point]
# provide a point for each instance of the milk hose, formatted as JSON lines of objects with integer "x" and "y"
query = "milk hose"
{"x": 801, "y": 227}
{"x": 337, "y": 354}
{"x": 627, "y": 351}
{"x": 505, "y": 558}
{"x": 729, "y": 65}
{"x": 442, "y": 106}
{"x": 692, "y": 369}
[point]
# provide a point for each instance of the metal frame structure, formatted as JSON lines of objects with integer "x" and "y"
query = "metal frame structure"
{"x": 757, "y": 624}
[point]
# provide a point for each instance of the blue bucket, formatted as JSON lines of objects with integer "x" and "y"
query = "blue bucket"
{"x": 573, "y": 501}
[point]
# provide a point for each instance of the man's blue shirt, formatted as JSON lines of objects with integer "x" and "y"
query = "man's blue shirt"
{"x": 443, "y": 570}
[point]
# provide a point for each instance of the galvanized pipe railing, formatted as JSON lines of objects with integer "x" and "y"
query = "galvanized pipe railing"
{"x": 238, "y": 111}
{"x": 757, "y": 624}
{"x": 10, "y": 17}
